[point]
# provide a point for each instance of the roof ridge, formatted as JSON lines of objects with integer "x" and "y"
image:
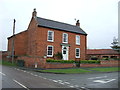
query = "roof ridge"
{"x": 58, "y": 22}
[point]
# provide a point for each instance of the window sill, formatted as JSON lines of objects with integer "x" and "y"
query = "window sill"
{"x": 49, "y": 55}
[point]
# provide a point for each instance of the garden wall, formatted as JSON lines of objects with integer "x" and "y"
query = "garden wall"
{"x": 41, "y": 63}
{"x": 60, "y": 65}
{"x": 110, "y": 63}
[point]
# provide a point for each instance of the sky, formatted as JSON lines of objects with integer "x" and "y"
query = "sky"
{"x": 98, "y": 18}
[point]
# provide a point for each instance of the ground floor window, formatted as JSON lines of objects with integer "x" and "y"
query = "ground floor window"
{"x": 50, "y": 51}
{"x": 77, "y": 52}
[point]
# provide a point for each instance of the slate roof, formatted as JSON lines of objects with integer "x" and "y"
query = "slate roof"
{"x": 59, "y": 26}
{"x": 101, "y": 52}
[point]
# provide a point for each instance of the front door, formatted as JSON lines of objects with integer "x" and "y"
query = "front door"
{"x": 65, "y": 50}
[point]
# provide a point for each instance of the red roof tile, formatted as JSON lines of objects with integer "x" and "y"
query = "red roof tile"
{"x": 101, "y": 51}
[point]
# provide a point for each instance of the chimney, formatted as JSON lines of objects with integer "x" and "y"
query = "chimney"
{"x": 77, "y": 23}
{"x": 34, "y": 14}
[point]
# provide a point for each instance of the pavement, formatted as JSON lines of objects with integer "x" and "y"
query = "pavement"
{"x": 16, "y": 77}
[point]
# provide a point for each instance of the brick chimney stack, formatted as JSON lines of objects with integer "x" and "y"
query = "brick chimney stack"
{"x": 77, "y": 23}
{"x": 34, "y": 14}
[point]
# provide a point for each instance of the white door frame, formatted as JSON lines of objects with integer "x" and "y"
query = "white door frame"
{"x": 65, "y": 52}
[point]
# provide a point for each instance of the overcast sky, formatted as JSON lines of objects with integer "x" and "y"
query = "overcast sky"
{"x": 98, "y": 18}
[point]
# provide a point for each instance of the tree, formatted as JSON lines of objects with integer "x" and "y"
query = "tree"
{"x": 115, "y": 45}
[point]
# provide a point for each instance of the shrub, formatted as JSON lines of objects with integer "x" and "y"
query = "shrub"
{"x": 77, "y": 62}
{"x": 20, "y": 63}
{"x": 60, "y": 61}
{"x": 58, "y": 55}
{"x": 90, "y": 61}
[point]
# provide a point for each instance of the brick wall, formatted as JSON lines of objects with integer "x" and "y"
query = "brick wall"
{"x": 41, "y": 63}
{"x": 41, "y": 38}
{"x": 30, "y": 61}
{"x": 20, "y": 43}
{"x": 110, "y": 63}
{"x": 59, "y": 65}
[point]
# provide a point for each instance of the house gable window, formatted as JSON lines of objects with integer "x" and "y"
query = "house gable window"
{"x": 77, "y": 52}
{"x": 65, "y": 38}
{"x": 50, "y": 36}
{"x": 77, "y": 40}
{"x": 49, "y": 51}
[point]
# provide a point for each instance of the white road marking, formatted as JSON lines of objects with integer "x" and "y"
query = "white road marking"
{"x": 61, "y": 83}
{"x": 98, "y": 77}
{"x": 20, "y": 84}
{"x": 54, "y": 80}
{"x": 104, "y": 80}
{"x": 44, "y": 78}
{"x": 76, "y": 86}
{"x": 71, "y": 86}
{"x": 66, "y": 82}
{"x": 2, "y": 74}
{"x": 24, "y": 71}
{"x": 31, "y": 73}
{"x": 36, "y": 75}
{"x": 27, "y": 72}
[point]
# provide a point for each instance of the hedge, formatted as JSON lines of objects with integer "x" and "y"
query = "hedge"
{"x": 90, "y": 61}
{"x": 72, "y": 61}
{"x": 60, "y": 61}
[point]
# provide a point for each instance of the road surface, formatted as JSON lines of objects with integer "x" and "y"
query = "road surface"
{"x": 17, "y": 78}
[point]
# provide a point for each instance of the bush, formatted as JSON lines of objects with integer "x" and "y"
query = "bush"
{"x": 20, "y": 63}
{"x": 60, "y": 61}
{"x": 72, "y": 61}
{"x": 90, "y": 61}
{"x": 58, "y": 55}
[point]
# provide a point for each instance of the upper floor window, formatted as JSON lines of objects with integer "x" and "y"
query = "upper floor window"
{"x": 65, "y": 38}
{"x": 77, "y": 52}
{"x": 77, "y": 40}
{"x": 50, "y": 36}
{"x": 50, "y": 51}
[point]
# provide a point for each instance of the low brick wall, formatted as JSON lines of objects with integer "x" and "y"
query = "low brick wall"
{"x": 110, "y": 63}
{"x": 41, "y": 63}
{"x": 59, "y": 65}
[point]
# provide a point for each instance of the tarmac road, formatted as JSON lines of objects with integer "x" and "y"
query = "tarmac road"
{"x": 17, "y": 78}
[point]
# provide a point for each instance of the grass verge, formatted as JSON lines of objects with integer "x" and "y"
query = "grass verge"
{"x": 7, "y": 63}
{"x": 106, "y": 69}
{"x": 78, "y": 70}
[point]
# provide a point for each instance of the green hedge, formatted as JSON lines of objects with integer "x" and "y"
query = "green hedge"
{"x": 90, "y": 61}
{"x": 60, "y": 61}
{"x": 72, "y": 61}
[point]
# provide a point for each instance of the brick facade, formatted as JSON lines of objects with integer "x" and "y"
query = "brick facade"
{"x": 20, "y": 43}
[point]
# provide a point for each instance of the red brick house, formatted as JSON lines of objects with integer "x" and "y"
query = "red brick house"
{"x": 46, "y": 37}
{"x": 102, "y": 54}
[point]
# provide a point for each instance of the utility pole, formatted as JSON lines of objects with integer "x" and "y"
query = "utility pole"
{"x": 13, "y": 41}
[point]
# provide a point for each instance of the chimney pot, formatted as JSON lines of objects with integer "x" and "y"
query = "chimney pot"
{"x": 77, "y": 23}
{"x": 34, "y": 14}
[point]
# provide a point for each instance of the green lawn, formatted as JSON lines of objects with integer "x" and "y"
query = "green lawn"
{"x": 7, "y": 63}
{"x": 107, "y": 69}
{"x": 78, "y": 70}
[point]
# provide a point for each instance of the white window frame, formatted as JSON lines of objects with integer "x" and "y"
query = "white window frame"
{"x": 77, "y": 40}
{"x": 66, "y": 38}
{"x": 76, "y": 52}
{"x": 52, "y": 51}
{"x": 52, "y": 36}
